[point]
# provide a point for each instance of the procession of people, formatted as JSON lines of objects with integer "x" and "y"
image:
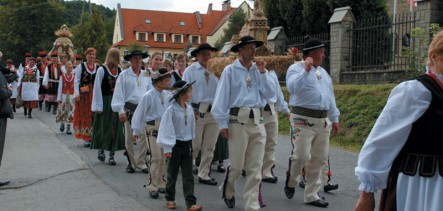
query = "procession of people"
{"x": 187, "y": 118}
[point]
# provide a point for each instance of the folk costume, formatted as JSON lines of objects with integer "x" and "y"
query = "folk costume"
{"x": 237, "y": 106}
{"x": 206, "y": 128}
{"x": 147, "y": 117}
{"x": 128, "y": 92}
{"x": 83, "y": 87}
{"x": 270, "y": 111}
{"x": 41, "y": 66}
{"x": 14, "y": 84}
{"x": 176, "y": 132}
{"x": 313, "y": 111}
{"x": 29, "y": 89}
{"x": 107, "y": 128}
{"x": 65, "y": 95}
{"x": 50, "y": 80}
{"x": 402, "y": 155}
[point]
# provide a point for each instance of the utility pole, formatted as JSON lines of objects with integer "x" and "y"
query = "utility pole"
{"x": 83, "y": 11}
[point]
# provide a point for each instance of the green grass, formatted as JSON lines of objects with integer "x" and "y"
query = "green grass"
{"x": 359, "y": 105}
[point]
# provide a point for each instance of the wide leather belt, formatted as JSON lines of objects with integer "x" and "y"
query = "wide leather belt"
{"x": 234, "y": 112}
{"x": 310, "y": 112}
{"x": 130, "y": 106}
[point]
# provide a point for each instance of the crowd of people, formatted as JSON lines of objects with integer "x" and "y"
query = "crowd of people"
{"x": 185, "y": 118}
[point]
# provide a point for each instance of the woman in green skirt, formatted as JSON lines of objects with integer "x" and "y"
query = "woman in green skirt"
{"x": 107, "y": 129}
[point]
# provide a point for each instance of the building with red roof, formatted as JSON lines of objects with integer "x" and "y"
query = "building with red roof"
{"x": 170, "y": 32}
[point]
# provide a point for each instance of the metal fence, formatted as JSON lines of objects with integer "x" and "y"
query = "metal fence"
{"x": 376, "y": 44}
{"x": 299, "y": 42}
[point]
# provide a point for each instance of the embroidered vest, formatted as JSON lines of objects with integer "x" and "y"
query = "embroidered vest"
{"x": 68, "y": 84}
{"x": 86, "y": 78}
{"x": 108, "y": 83}
{"x": 29, "y": 74}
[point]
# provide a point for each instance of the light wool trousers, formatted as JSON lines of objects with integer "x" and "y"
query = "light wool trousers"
{"x": 157, "y": 161}
{"x": 310, "y": 139}
{"x": 140, "y": 163}
{"x": 206, "y": 134}
{"x": 271, "y": 128}
{"x": 246, "y": 150}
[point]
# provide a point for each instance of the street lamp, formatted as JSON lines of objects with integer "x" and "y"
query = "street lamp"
{"x": 146, "y": 48}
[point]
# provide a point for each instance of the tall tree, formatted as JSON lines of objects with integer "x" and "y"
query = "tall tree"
{"x": 316, "y": 14}
{"x": 272, "y": 13}
{"x": 361, "y": 9}
{"x": 235, "y": 24}
{"x": 28, "y": 25}
{"x": 292, "y": 13}
{"x": 92, "y": 34}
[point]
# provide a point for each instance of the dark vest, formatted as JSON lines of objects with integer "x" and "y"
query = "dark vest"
{"x": 108, "y": 83}
{"x": 87, "y": 78}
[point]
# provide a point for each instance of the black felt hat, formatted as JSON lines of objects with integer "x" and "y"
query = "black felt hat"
{"x": 179, "y": 87}
{"x": 159, "y": 75}
{"x": 246, "y": 40}
{"x": 312, "y": 44}
{"x": 135, "y": 53}
{"x": 203, "y": 46}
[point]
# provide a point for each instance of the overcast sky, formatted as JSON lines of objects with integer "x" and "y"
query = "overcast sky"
{"x": 168, "y": 5}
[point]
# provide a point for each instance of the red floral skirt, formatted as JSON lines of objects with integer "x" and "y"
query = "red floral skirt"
{"x": 83, "y": 116}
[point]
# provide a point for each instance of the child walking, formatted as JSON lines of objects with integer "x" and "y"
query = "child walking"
{"x": 176, "y": 132}
{"x": 65, "y": 99}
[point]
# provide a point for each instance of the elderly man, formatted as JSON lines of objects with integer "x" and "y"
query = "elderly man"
{"x": 206, "y": 128}
{"x": 131, "y": 85}
{"x": 237, "y": 109}
{"x": 5, "y": 94}
{"x": 313, "y": 108}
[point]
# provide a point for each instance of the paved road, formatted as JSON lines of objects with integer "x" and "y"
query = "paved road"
{"x": 66, "y": 174}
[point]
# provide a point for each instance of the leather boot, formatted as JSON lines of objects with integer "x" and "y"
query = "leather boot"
{"x": 101, "y": 155}
{"x": 13, "y": 108}
{"x": 54, "y": 110}
{"x": 40, "y": 105}
{"x": 30, "y": 113}
{"x": 68, "y": 129}
{"x": 48, "y": 106}
{"x": 25, "y": 111}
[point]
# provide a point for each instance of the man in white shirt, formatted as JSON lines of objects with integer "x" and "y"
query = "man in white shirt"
{"x": 313, "y": 108}
{"x": 131, "y": 85}
{"x": 237, "y": 109}
{"x": 206, "y": 128}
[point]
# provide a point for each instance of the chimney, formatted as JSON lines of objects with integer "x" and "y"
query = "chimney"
{"x": 209, "y": 8}
{"x": 226, "y": 6}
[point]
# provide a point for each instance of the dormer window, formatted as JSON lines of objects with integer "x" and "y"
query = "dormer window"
{"x": 148, "y": 21}
{"x": 182, "y": 23}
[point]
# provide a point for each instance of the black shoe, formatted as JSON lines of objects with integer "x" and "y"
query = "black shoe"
{"x": 13, "y": 108}
{"x": 62, "y": 128}
{"x": 161, "y": 190}
{"x": 230, "y": 202}
{"x": 289, "y": 192}
{"x": 40, "y": 105}
{"x": 318, "y": 203}
{"x": 270, "y": 180}
{"x": 54, "y": 111}
{"x": 330, "y": 187}
{"x": 111, "y": 161}
{"x": 101, "y": 155}
{"x": 207, "y": 182}
{"x": 243, "y": 173}
{"x": 129, "y": 169}
{"x": 48, "y": 107}
{"x": 68, "y": 130}
{"x": 154, "y": 194}
{"x": 4, "y": 182}
{"x": 29, "y": 115}
{"x": 302, "y": 184}
{"x": 146, "y": 171}
{"x": 221, "y": 168}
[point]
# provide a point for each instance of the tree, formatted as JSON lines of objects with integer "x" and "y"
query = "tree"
{"x": 291, "y": 11}
{"x": 28, "y": 25}
{"x": 316, "y": 15}
{"x": 361, "y": 9}
{"x": 235, "y": 24}
{"x": 92, "y": 33}
{"x": 272, "y": 13}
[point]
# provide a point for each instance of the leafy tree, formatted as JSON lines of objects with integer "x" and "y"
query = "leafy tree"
{"x": 362, "y": 9}
{"x": 292, "y": 11}
{"x": 316, "y": 14}
{"x": 28, "y": 25}
{"x": 235, "y": 24}
{"x": 92, "y": 33}
{"x": 272, "y": 13}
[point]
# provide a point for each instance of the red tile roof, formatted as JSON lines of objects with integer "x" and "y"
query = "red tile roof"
{"x": 134, "y": 20}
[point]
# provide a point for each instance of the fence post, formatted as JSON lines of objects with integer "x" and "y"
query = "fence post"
{"x": 341, "y": 21}
{"x": 429, "y": 11}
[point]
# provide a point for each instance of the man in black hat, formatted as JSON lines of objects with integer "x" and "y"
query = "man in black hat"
{"x": 237, "y": 109}
{"x": 206, "y": 128}
{"x": 314, "y": 114}
{"x": 131, "y": 85}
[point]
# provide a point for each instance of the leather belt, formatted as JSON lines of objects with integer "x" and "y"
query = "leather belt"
{"x": 196, "y": 106}
{"x": 130, "y": 106}
{"x": 310, "y": 112}
{"x": 152, "y": 122}
{"x": 234, "y": 112}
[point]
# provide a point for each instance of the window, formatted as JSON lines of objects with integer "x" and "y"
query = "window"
{"x": 141, "y": 37}
{"x": 177, "y": 38}
{"x": 160, "y": 37}
{"x": 182, "y": 23}
{"x": 148, "y": 21}
{"x": 195, "y": 39}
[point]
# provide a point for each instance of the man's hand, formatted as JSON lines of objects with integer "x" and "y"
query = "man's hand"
{"x": 308, "y": 64}
{"x": 122, "y": 117}
{"x": 168, "y": 155}
{"x": 366, "y": 202}
{"x": 224, "y": 133}
{"x": 335, "y": 128}
{"x": 261, "y": 65}
{"x": 10, "y": 87}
